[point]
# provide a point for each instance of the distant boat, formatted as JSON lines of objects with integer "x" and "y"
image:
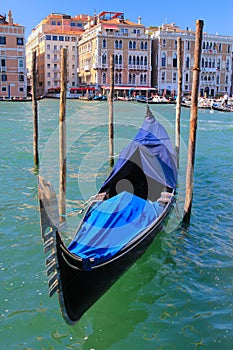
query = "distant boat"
{"x": 126, "y": 214}
{"x": 223, "y": 108}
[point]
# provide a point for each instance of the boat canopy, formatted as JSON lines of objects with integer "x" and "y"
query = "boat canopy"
{"x": 148, "y": 163}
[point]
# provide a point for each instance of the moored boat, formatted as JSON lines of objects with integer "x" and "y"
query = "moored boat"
{"x": 129, "y": 210}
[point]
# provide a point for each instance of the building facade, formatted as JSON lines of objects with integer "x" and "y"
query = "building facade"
{"x": 13, "y": 81}
{"x": 55, "y": 32}
{"x": 110, "y": 34}
{"x": 216, "y": 61}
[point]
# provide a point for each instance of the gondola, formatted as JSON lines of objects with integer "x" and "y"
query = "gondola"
{"x": 223, "y": 108}
{"x": 129, "y": 210}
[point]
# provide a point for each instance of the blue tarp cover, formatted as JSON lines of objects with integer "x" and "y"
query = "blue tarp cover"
{"x": 158, "y": 159}
{"x": 109, "y": 225}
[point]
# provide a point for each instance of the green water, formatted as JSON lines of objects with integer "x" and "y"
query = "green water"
{"x": 177, "y": 296}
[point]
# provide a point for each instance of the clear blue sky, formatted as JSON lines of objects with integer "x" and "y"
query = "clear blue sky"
{"x": 217, "y": 17}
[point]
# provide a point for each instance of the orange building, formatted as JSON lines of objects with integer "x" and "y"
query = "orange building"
{"x": 13, "y": 82}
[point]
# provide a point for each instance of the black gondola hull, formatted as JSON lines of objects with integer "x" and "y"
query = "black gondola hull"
{"x": 80, "y": 289}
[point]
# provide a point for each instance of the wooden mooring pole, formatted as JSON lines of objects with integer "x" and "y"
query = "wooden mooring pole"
{"x": 62, "y": 136}
{"x": 193, "y": 123}
{"x": 179, "y": 97}
{"x": 110, "y": 101}
{"x": 35, "y": 112}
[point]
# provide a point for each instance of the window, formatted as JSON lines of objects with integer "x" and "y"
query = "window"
{"x": 2, "y": 40}
{"x": 134, "y": 44}
{"x": 130, "y": 60}
{"x": 48, "y": 56}
{"x": 4, "y": 77}
{"x": 130, "y": 78}
{"x": 3, "y": 89}
{"x": 120, "y": 44}
{"x": 54, "y": 37}
{"x": 116, "y": 45}
{"x": 174, "y": 77}
{"x": 61, "y": 38}
{"x": 21, "y": 64}
{"x": 187, "y": 62}
{"x": 48, "y": 47}
{"x": 104, "y": 59}
{"x": 3, "y": 62}
{"x": 48, "y": 65}
{"x": 188, "y": 45}
{"x": 53, "y": 23}
{"x": 164, "y": 43}
{"x": 145, "y": 61}
{"x": 104, "y": 78}
{"x": 104, "y": 44}
{"x": 48, "y": 37}
{"x": 163, "y": 76}
{"x": 163, "y": 59}
{"x": 175, "y": 44}
{"x": 174, "y": 61}
{"x": 186, "y": 77}
{"x": 130, "y": 44}
{"x": 19, "y": 41}
{"x": 21, "y": 77}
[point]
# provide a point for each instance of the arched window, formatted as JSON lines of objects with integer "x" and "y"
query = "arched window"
{"x": 120, "y": 44}
{"x": 145, "y": 61}
{"x": 164, "y": 43}
{"x": 141, "y": 60}
{"x": 137, "y": 60}
{"x": 134, "y": 45}
{"x": 130, "y": 78}
{"x": 133, "y": 79}
{"x": 116, "y": 59}
{"x": 202, "y": 62}
{"x": 141, "y": 79}
{"x": 145, "y": 79}
{"x": 116, "y": 78}
{"x": 210, "y": 63}
{"x": 130, "y": 60}
{"x": 187, "y": 62}
{"x": 120, "y": 59}
{"x": 142, "y": 45}
{"x": 120, "y": 78}
{"x": 219, "y": 64}
{"x": 134, "y": 60}
{"x": 104, "y": 43}
{"x": 203, "y": 45}
{"x": 104, "y": 59}
{"x": 116, "y": 44}
{"x": 104, "y": 78}
{"x": 163, "y": 59}
{"x": 227, "y": 64}
{"x": 206, "y": 63}
{"x": 130, "y": 44}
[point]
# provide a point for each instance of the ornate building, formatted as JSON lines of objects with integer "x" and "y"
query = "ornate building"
{"x": 13, "y": 82}
{"x": 216, "y": 61}
{"x": 109, "y": 34}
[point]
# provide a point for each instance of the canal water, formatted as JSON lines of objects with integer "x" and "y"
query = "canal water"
{"x": 179, "y": 295}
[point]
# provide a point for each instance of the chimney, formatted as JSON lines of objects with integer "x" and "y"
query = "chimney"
{"x": 10, "y": 19}
{"x": 139, "y": 20}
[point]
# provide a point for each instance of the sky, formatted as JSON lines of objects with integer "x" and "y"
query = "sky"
{"x": 217, "y": 18}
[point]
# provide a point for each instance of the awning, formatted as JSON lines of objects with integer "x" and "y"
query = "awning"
{"x": 110, "y": 26}
{"x": 125, "y": 87}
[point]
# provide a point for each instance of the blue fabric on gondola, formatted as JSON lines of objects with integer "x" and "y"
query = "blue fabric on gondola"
{"x": 157, "y": 155}
{"x": 109, "y": 225}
